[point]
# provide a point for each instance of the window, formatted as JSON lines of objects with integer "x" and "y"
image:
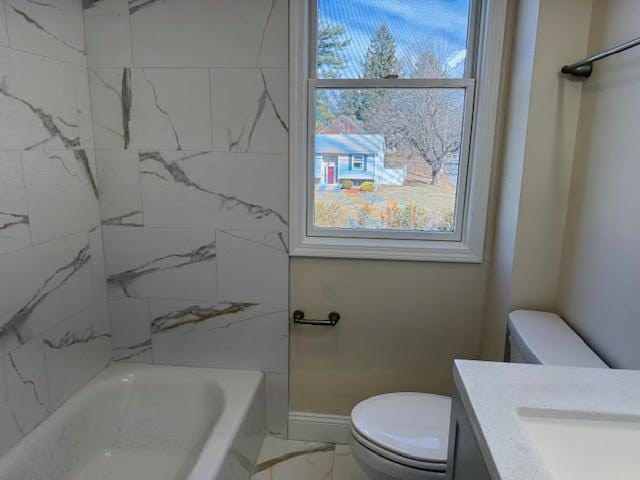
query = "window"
{"x": 357, "y": 162}
{"x": 396, "y": 101}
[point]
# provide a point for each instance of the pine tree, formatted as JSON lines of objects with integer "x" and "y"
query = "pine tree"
{"x": 380, "y": 62}
{"x": 331, "y": 41}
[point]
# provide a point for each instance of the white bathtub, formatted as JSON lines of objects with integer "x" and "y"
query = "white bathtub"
{"x": 148, "y": 422}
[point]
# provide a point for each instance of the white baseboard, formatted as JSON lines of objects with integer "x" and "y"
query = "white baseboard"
{"x": 316, "y": 427}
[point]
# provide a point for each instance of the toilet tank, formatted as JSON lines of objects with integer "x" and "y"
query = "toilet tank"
{"x": 544, "y": 338}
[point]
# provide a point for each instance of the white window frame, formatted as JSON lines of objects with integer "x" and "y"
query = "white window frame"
{"x": 464, "y": 245}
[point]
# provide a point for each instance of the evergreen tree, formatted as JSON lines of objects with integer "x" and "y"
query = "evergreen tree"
{"x": 380, "y": 62}
{"x": 331, "y": 41}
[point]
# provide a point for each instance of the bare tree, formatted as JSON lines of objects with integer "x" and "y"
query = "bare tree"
{"x": 426, "y": 122}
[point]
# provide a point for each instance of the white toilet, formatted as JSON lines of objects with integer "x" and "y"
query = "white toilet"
{"x": 405, "y": 436}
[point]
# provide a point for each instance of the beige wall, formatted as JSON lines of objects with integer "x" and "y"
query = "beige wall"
{"x": 540, "y": 137}
{"x": 404, "y": 322}
{"x": 601, "y": 269}
{"x": 402, "y": 325}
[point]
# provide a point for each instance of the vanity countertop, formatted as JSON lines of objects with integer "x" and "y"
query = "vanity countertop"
{"x": 493, "y": 394}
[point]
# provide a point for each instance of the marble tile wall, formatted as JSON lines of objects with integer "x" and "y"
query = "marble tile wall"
{"x": 54, "y": 323}
{"x": 189, "y": 102}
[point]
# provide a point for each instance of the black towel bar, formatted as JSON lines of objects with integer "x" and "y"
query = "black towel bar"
{"x": 331, "y": 321}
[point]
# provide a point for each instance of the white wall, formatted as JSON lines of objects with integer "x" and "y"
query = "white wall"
{"x": 601, "y": 265}
{"x": 537, "y": 162}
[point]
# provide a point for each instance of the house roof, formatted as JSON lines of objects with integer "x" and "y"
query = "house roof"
{"x": 342, "y": 124}
{"x": 345, "y": 144}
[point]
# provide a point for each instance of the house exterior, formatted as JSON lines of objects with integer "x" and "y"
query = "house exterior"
{"x": 358, "y": 157}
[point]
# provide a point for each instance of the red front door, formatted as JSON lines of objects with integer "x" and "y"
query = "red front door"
{"x": 331, "y": 174}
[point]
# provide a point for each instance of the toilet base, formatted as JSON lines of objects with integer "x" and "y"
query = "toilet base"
{"x": 379, "y": 468}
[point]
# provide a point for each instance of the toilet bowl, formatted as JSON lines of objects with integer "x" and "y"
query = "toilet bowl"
{"x": 401, "y": 436}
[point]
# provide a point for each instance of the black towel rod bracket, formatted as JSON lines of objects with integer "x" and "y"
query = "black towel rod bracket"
{"x": 584, "y": 68}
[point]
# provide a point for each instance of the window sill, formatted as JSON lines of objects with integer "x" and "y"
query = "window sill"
{"x": 408, "y": 250}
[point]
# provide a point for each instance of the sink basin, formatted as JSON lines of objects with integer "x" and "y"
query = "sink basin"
{"x": 585, "y": 445}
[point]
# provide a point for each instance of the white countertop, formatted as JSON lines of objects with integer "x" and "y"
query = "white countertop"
{"x": 491, "y": 392}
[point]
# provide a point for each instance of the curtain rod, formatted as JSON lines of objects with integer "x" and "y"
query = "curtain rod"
{"x": 584, "y": 68}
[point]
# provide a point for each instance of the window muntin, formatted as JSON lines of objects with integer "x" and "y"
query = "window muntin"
{"x": 389, "y": 108}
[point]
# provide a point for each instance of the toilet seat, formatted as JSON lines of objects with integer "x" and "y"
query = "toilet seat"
{"x": 399, "y": 459}
{"x": 411, "y": 429}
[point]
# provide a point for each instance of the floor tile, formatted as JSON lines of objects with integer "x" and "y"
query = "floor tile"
{"x": 294, "y": 460}
{"x": 345, "y": 467}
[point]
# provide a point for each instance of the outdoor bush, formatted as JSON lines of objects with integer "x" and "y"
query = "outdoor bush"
{"x": 364, "y": 214}
{"x": 329, "y": 213}
{"x": 347, "y": 184}
{"x": 409, "y": 217}
{"x": 448, "y": 221}
{"x": 366, "y": 187}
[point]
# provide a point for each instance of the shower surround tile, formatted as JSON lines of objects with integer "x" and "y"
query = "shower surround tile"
{"x": 229, "y": 33}
{"x": 9, "y": 427}
{"x": 253, "y": 266}
{"x": 62, "y": 192}
{"x": 4, "y": 38}
{"x": 250, "y": 109}
{"x": 51, "y": 254}
{"x": 14, "y": 215}
{"x": 221, "y": 335}
{"x": 160, "y": 263}
{"x": 76, "y": 350}
{"x": 119, "y": 186}
{"x": 48, "y": 283}
{"x": 105, "y": 7}
{"x": 130, "y": 329}
{"x": 83, "y": 106}
{"x": 277, "y": 400}
{"x": 189, "y": 104}
{"x": 52, "y": 29}
{"x": 98, "y": 269}
{"x": 191, "y": 189}
{"x": 108, "y": 39}
{"x": 37, "y": 103}
{"x": 164, "y": 108}
{"x": 27, "y": 387}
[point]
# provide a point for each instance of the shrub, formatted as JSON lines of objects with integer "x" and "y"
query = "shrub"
{"x": 409, "y": 217}
{"x": 364, "y": 214}
{"x": 329, "y": 213}
{"x": 347, "y": 184}
{"x": 366, "y": 187}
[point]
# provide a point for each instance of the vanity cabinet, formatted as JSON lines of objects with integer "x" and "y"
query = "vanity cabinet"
{"x": 465, "y": 460}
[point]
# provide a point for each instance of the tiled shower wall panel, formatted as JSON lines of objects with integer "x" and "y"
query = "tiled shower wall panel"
{"x": 190, "y": 120}
{"x": 54, "y": 325}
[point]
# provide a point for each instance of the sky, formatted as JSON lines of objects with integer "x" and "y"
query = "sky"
{"x": 440, "y": 25}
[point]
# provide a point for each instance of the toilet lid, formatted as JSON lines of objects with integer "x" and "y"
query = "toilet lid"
{"x": 414, "y": 425}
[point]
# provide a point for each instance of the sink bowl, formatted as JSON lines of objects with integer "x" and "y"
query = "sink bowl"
{"x": 585, "y": 445}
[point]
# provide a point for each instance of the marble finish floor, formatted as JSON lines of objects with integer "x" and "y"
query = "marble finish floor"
{"x": 294, "y": 460}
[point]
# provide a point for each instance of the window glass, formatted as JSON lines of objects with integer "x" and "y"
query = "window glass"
{"x": 412, "y": 139}
{"x": 392, "y": 38}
